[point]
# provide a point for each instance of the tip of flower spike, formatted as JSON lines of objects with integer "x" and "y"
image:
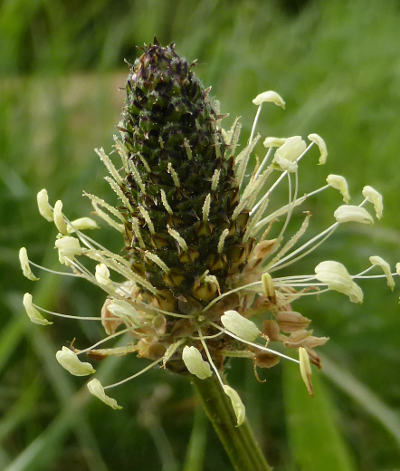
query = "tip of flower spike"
{"x": 96, "y": 388}
{"x": 269, "y": 97}
{"x": 25, "y": 266}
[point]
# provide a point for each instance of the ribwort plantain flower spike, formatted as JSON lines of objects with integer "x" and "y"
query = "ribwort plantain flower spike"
{"x": 197, "y": 262}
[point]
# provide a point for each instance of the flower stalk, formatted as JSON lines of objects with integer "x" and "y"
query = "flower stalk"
{"x": 239, "y": 442}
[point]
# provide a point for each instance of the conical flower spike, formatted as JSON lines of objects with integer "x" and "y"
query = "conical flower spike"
{"x": 174, "y": 146}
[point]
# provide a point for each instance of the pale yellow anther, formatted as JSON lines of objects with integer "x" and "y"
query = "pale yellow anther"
{"x": 339, "y": 183}
{"x": 102, "y": 274}
{"x": 59, "y": 219}
{"x": 287, "y": 154}
{"x": 240, "y": 326}
{"x": 97, "y": 390}
{"x": 398, "y": 268}
{"x": 69, "y": 360}
{"x": 195, "y": 364}
{"x": 383, "y": 264}
{"x": 337, "y": 278}
{"x": 375, "y": 198}
{"x": 274, "y": 141}
{"x": 43, "y": 204}
{"x": 317, "y": 139}
{"x": 268, "y": 285}
{"x": 305, "y": 369}
{"x": 68, "y": 248}
{"x": 351, "y": 213}
{"x": 33, "y": 314}
{"x": 237, "y": 405}
{"x": 123, "y": 310}
{"x": 269, "y": 97}
{"x": 82, "y": 224}
{"x": 25, "y": 266}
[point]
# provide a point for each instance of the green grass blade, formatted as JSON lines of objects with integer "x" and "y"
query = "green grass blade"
{"x": 314, "y": 436}
{"x": 197, "y": 443}
{"x": 367, "y": 399}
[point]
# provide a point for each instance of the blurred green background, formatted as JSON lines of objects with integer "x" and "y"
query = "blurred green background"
{"x": 337, "y": 64}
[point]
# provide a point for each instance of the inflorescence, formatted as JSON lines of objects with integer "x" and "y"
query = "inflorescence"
{"x": 197, "y": 263}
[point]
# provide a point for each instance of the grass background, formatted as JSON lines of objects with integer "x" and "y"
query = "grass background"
{"x": 337, "y": 64}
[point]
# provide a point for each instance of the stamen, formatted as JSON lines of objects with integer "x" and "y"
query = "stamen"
{"x": 227, "y": 293}
{"x": 324, "y": 234}
{"x": 279, "y": 179}
{"x": 55, "y": 272}
{"x": 254, "y": 126}
{"x": 292, "y": 241}
{"x": 67, "y": 316}
{"x": 148, "y": 367}
{"x": 256, "y": 345}
{"x": 263, "y": 163}
{"x": 281, "y": 211}
{"x": 209, "y": 356}
{"x": 290, "y": 210}
{"x": 100, "y": 342}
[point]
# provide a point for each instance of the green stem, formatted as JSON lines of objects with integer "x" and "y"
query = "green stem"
{"x": 239, "y": 442}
